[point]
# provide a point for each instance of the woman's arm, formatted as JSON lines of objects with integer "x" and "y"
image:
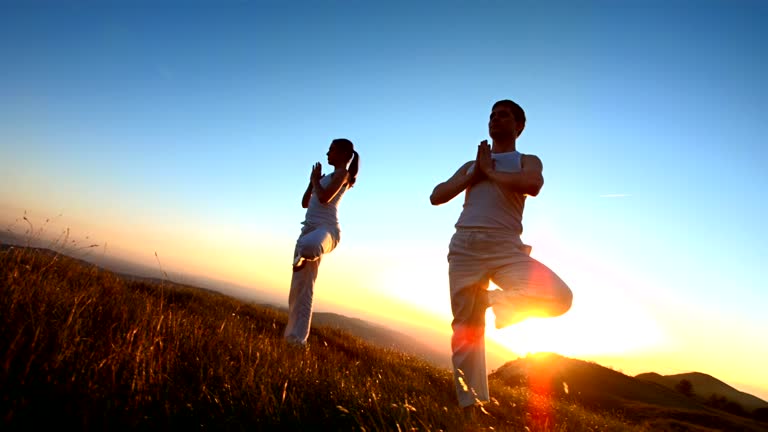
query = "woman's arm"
{"x": 326, "y": 194}
{"x": 307, "y": 196}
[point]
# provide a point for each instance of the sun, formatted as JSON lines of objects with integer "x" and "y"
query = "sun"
{"x": 588, "y": 329}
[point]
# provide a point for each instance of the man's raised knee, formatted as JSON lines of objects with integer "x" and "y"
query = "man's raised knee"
{"x": 565, "y": 303}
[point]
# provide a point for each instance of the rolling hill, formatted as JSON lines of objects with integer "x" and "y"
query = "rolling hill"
{"x": 601, "y": 388}
{"x": 704, "y": 386}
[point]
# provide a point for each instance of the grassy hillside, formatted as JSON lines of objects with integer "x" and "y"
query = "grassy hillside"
{"x": 598, "y": 387}
{"x": 84, "y": 348}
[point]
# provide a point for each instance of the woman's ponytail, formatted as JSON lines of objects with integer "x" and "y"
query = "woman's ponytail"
{"x": 354, "y": 166}
{"x": 346, "y": 146}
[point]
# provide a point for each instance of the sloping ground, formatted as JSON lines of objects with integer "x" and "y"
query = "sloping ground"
{"x": 95, "y": 350}
{"x": 86, "y": 349}
{"x": 706, "y": 385}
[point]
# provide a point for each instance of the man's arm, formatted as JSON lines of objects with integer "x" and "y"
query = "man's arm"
{"x": 448, "y": 189}
{"x": 528, "y": 180}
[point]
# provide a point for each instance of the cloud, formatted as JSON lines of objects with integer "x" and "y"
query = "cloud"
{"x": 619, "y": 195}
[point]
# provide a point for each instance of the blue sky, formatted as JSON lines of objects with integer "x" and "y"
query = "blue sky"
{"x": 189, "y": 129}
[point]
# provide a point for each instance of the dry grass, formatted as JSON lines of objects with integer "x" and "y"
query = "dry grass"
{"x": 88, "y": 349}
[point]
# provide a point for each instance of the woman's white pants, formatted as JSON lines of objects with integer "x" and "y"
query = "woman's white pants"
{"x": 313, "y": 243}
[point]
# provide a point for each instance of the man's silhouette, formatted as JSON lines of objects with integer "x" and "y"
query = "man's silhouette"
{"x": 487, "y": 247}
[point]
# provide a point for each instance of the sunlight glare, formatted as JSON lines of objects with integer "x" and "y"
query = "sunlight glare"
{"x": 598, "y": 324}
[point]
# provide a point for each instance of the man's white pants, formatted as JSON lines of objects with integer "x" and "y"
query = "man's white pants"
{"x": 529, "y": 289}
{"x": 312, "y": 244}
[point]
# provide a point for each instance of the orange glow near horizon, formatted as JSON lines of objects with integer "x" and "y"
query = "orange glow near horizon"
{"x": 585, "y": 330}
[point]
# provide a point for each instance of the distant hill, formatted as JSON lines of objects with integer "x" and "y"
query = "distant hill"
{"x": 92, "y": 255}
{"x": 704, "y": 386}
{"x": 381, "y": 336}
{"x": 590, "y": 384}
{"x": 10, "y": 238}
{"x": 132, "y": 270}
{"x": 377, "y": 335}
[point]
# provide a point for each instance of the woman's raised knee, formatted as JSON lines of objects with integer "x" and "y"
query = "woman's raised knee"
{"x": 310, "y": 250}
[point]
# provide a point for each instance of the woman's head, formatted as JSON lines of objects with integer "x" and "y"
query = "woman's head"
{"x": 341, "y": 153}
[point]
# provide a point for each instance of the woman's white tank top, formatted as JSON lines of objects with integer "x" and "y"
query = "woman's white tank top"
{"x": 324, "y": 214}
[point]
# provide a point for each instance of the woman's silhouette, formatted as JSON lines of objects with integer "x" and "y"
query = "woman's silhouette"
{"x": 320, "y": 234}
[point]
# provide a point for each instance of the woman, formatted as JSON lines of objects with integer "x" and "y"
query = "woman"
{"x": 320, "y": 234}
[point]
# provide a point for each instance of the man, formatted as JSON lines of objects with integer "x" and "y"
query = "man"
{"x": 487, "y": 247}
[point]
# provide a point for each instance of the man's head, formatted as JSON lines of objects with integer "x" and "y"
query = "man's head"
{"x": 507, "y": 120}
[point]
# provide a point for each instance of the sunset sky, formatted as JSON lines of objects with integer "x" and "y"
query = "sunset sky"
{"x": 188, "y": 129}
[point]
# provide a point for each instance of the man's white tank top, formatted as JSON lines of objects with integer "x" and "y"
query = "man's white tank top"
{"x": 487, "y": 206}
{"x": 324, "y": 214}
